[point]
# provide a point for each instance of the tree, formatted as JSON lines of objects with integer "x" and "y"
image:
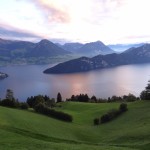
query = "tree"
{"x": 59, "y": 98}
{"x": 93, "y": 98}
{"x": 9, "y": 94}
{"x": 73, "y": 98}
{"x": 145, "y": 95}
{"x": 38, "y": 99}
{"x": 131, "y": 98}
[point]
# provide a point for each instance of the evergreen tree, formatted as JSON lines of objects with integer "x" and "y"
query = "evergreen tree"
{"x": 59, "y": 98}
{"x": 9, "y": 94}
{"x": 93, "y": 98}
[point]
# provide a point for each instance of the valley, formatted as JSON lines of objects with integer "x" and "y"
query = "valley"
{"x": 74, "y": 75}
{"x": 28, "y": 130}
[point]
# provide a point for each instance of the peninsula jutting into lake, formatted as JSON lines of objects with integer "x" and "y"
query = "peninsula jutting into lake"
{"x": 3, "y": 75}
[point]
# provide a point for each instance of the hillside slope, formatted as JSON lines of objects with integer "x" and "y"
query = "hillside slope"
{"x": 28, "y": 130}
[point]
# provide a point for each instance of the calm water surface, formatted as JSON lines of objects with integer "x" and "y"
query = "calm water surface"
{"x": 29, "y": 80}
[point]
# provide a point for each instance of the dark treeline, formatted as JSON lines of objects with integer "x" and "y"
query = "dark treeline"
{"x": 110, "y": 115}
{"x": 94, "y": 99}
{"x": 42, "y": 109}
{"x": 12, "y": 103}
{"x": 34, "y": 100}
{"x": 79, "y": 98}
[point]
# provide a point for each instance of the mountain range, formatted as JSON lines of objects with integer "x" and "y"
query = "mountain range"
{"x": 24, "y": 52}
{"x": 88, "y": 49}
{"x": 94, "y": 55}
{"x": 44, "y": 48}
{"x": 45, "y": 51}
{"x": 131, "y": 56}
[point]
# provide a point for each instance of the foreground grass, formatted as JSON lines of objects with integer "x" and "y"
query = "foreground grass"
{"x": 27, "y": 130}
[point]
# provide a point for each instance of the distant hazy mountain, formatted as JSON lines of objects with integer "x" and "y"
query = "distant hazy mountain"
{"x": 123, "y": 47}
{"x": 2, "y": 41}
{"x": 71, "y": 47}
{"x": 88, "y": 49}
{"x": 94, "y": 48}
{"x": 131, "y": 56}
{"x": 10, "y": 48}
{"x": 44, "y": 48}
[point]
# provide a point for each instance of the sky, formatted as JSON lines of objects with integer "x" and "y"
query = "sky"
{"x": 109, "y": 21}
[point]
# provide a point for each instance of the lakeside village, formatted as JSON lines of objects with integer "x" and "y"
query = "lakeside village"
{"x": 3, "y": 75}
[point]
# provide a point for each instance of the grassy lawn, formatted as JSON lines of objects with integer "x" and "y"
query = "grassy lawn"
{"x": 25, "y": 130}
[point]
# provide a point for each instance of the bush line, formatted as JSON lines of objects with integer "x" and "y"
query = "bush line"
{"x": 42, "y": 109}
{"x": 110, "y": 115}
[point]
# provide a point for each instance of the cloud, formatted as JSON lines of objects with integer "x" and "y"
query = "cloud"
{"x": 110, "y": 21}
{"x": 52, "y": 11}
{"x": 9, "y": 32}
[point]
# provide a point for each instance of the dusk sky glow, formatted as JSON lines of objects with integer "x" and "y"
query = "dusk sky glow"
{"x": 110, "y": 21}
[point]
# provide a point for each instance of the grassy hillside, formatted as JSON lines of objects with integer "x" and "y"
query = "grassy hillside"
{"x": 25, "y": 130}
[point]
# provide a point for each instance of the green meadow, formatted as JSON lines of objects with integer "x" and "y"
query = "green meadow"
{"x": 27, "y": 130}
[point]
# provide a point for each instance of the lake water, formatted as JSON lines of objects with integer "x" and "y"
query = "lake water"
{"x": 29, "y": 80}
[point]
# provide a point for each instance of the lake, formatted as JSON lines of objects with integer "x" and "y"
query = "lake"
{"x": 29, "y": 80}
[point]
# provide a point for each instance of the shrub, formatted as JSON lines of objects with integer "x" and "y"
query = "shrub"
{"x": 112, "y": 114}
{"x": 105, "y": 118}
{"x": 96, "y": 121}
{"x": 41, "y": 108}
{"x": 123, "y": 107}
{"x": 24, "y": 106}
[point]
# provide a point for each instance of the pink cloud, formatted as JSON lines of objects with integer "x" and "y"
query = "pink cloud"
{"x": 52, "y": 12}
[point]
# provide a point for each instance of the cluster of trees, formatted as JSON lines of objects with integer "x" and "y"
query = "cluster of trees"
{"x": 10, "y": 101}
{"x": 44, "y": 104}
{"x": 125, "y": 98}
{"x": 35, "y": 100}
{"x": 14, "y": 104}
{"x": 145, "y": 95}
{"x": 44, "y": 99}
{"x": 110, "y": 115}
{"x": 79, "y": 98}
{"x": 41, "y": 104}
{"x": 94, "y": 99}
{"x": 42, "y": 109}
